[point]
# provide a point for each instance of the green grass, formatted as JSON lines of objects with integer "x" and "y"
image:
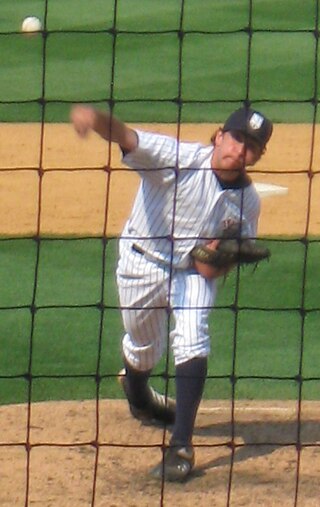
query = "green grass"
{"x": 67, "y": 343}
{"x": 80, "y": 60}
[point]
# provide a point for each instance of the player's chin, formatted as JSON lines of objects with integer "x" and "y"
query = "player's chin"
{"x": 233, "y": 164}
{"x": 230, "y": 173}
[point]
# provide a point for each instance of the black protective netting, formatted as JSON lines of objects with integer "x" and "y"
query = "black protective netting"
{"x": 184, "y": 96}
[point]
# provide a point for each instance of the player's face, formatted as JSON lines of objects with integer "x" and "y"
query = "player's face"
{"x": 234, "y": 151}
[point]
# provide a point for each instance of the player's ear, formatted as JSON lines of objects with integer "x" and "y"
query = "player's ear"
{"x": 218, "y": 137}
{"x": 257, "y": 156}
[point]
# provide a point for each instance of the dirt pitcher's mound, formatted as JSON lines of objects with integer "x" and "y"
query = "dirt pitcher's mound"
{"x": 83, "y": 454}
{"x": 76, "y": 196}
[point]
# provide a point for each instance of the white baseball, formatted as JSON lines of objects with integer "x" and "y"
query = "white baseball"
{"x": 31, "y": 24}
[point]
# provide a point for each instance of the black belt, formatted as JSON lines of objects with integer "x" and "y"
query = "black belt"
{"x": 137, "y": 249}
{"x": 140, "y": 251}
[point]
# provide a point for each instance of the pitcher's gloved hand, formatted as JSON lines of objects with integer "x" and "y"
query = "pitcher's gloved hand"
{"x": 231, "y": 250}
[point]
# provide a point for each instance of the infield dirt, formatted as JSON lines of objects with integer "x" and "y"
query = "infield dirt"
{"x": 73, "y": 200}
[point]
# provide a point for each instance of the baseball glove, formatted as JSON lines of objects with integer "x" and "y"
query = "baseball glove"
{"x": 231, "y": 250}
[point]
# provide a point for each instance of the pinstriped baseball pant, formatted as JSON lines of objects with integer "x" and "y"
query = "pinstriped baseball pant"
{"x": 162, "y": 309}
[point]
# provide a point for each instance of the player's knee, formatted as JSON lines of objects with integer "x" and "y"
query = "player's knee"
{"x": 143, "y": 355}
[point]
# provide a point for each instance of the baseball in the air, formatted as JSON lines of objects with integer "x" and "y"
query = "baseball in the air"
{"x": 31, "y": 24}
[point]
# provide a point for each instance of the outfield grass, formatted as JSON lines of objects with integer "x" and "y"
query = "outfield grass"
{"x": 141, "y": 69}
{"x": 266, "y": 343}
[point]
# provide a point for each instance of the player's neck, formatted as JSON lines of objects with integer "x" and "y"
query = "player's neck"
{"x": 238, "y": 179}
{"x": 228, "y": 175}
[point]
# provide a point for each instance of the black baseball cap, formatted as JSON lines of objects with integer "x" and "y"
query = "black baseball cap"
{"x": 251, "y": 123}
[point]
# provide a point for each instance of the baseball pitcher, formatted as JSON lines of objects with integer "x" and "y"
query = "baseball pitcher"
{"x": 194, "y": 219}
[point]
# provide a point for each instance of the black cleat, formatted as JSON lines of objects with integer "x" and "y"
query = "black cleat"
{"x": 176, "y": 465}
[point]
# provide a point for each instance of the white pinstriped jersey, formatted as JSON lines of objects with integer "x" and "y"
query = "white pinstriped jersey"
{"x": 180, "y": 201}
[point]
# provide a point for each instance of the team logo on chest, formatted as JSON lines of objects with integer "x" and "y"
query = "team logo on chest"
{"x": 228, "y": 222}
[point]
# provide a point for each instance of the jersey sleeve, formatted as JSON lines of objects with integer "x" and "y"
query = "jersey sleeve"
{"x": 154, "y": 151}
{"x": 253, "y": 208}
{"x": 158, "y": 151}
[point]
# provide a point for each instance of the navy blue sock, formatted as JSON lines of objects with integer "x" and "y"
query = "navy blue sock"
{"x": 137, "y": 382}
{"x": 190, "y": 380}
